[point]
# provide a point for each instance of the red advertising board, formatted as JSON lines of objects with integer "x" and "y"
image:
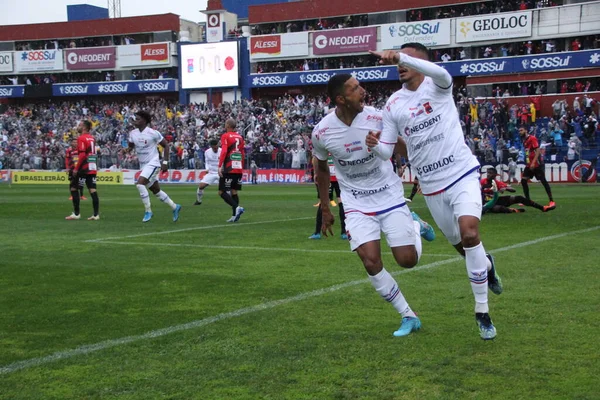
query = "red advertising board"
{"x": 265, "y": 45}
{"x": 155, "y": 52}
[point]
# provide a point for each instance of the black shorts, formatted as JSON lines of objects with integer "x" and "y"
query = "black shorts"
{"x": 334, "y": 187}
{"x": 538, "y": 173}
{"x": 229, "y": 182}
{"x": 87, "y": 180}
{"x": 504, "y": 201}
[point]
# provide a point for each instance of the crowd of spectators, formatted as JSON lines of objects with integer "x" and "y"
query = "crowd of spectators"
{"x": 90, "y": 76}
{"x": 350, "y": 21}
{"x": 96, "y": 41}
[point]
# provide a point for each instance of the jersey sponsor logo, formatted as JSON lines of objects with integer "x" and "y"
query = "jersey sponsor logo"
{"x": 435, "y": 165}
{"x": 423, "y": 125}
{"x": 374, "y": 117}
{"x": 369, "y": 192}
{"x": 320, "y": 132}
{"x": 269, "y": 80}
{"x": 364, "y": 174}
{"x": 360, "y": 161}
{"x": 113, "y": 88}
{"x": 428, "y": 141}
{"x": 73, "y": 89}
{"x": 391, "y": 102}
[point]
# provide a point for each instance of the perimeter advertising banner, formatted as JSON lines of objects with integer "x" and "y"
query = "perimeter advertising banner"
{"x": 116, "y": 87}
{"x": 49, "y": 178}
{"x": 340, "y": 41}
{"x": 90, "y": 58}
{"x": 12, "y": 91}
{"x": 428, "y": 33}
{"x": 494, "y": 27}
{"x": 6, "y": 61}
{"x": 321, "y": 77}
{"x": 275, "y": 46}
{"x": 38, "y": 60}
{"x": 135, "y": 55}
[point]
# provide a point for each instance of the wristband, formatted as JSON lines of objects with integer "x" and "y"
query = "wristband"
{"x": 165, "y": 163}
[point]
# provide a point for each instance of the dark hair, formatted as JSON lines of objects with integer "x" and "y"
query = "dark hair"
{"x": 418, "y": 47}
{"x": 87, "y": 124}
{"x": 492, "y": 171}
{"x": 213, "y": 142}
{"x": 145, "y": 115}
{"x": 335, "y": 86}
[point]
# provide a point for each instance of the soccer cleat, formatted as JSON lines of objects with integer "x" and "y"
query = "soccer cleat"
{"x": 551, "y": 206}
{"x": 71, "y": 198}
{"x": 494, "y": 281}
{"x": 83, "y": 198}
{"x": 147, "y": 216}
{"x": 72, "y": 217}
{"x": 176, "y": 212}
{"x": 94, "y": 218}
{"x": 487, "y": 331}
{"x": 333, "y": 203}
{"x": 315, "y": 236}
{"x": 427, "y": 231}
{"x": 317, "y": 205}
{"x": 408, "y": 200}
{"x": 344, "y": 236}
{"x": 238, "y": 213}
{"x": 408, "y": 325}
{"x": 197, "y": 203}
{"x": 232, "y": 219}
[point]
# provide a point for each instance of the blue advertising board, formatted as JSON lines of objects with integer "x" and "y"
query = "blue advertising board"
{"x": 321, "y": 77}
{"x": 116, "y": 87}
{"x": 12, "y": 91}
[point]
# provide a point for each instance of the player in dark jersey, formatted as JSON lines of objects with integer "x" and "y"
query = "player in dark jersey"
{"x": 71, "y": 157}
{"x": 502, "y": 203}
{"x": 535, "y": 166}
{"x": 334, "y": 187}
{"x": 231, "y": 167}
{"x": 85, "y": 168}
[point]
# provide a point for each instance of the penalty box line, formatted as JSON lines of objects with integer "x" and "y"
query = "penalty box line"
{"x": 91, "y": 348}
{"x": 197, "y": 228}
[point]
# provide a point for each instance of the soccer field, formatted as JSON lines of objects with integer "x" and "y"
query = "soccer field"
{"x": 202, "y": 309}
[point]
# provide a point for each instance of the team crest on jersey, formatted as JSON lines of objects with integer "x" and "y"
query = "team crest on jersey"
{"x": 424, "y": 108}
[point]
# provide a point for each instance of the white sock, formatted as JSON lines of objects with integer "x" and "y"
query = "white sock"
{"x": 476, "y": 270}
{"x": 145, "y": 197}
{"x": 199, "y": 194}
{"x": 166, "y": 199}
{"x": 488, "y": 263}
{"x": 387, "y": 287}
{"x": 418, "y": 242}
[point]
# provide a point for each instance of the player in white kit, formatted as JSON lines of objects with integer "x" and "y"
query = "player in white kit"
{"x": 423, "y": 119}
{"x": 373, "y": 194}
{"x": 145, "y": 141}
{"x": 211, "y": 161}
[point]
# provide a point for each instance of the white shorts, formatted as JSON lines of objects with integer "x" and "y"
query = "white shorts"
{"x": 150, "y": 172}
{"x": 210, "y": 179}
{"x": 397, "y": 225}
{"x": 462, "y": 199}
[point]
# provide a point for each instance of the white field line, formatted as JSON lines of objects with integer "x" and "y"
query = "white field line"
{"x": 220, "y": 247}
{"x": 90, "y": 348}
{"x": 197, "y": 228}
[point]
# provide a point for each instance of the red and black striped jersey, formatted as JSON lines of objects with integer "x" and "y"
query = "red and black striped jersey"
{"x": 86, "y": 148}
{"x": 71, "y": 157}
{"x": 232, "y": 153}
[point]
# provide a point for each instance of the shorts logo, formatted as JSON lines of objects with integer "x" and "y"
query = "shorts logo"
{"x": 349, "y": 236}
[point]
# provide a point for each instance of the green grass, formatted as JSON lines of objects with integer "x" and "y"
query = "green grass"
{"x": 59, "y": 292}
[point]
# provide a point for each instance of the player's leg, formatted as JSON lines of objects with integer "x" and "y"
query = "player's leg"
{"x": 81, "y": 192}
{"x": 162, "y": 196}
{"x": 200, "y": 193}
{"x": 414, "y": 190}
{"x": 224, "y": 189}
{"x": 318, "y": 223}
{"x": 236, "y": 186}
{"x": 525, "y": 201}
{"x": 527, "y": 175}
{"x": 402, "y": 235}
{"x": 540, "y": 175}
{"x": 148, "y": 173}
{"x": 74, "y": 187}
{"x": 341, "y": 212}
{"x": 331, "y": 201}
{"x": 90, "y": 182}
{"x": 364, "y": 236}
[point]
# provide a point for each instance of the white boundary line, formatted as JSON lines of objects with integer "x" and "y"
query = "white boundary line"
{"x": 90, "y": 348}
{"x": 208, "y": 246}
{"x": 197, "y": 228}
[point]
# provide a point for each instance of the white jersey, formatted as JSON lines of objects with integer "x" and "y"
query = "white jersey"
{"x": 368, "y": 183}
{"x": 211, "y": 160}
{"x": 428, "y": 122}
{"x": 146, "y": 146}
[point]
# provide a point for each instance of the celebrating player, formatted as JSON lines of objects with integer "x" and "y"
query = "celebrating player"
{"x": 71, "y": 157}
{"x": 422, "y": 119}
{"x": 85, "y": 169}
{"x": 211, "y": 160}
{"x": 373, "y": 194}
{"x": 145, "y": 141}
{"x": 535, "y": 166}
{"x": 231, "y": 167}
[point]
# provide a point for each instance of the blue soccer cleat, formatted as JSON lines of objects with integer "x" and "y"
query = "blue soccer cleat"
{"x": 147, "y": 216}
{"x": 344, "y": 236}
{"x": 238, "y": 213}
{"x": 176, "y": 212}
{"x": 494, "y": 281}
{"x": 427, "y": 231}
{"x": 408, "y": 325}
{"x": 487, "y": 331}
{"x": 315, "y": 236}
